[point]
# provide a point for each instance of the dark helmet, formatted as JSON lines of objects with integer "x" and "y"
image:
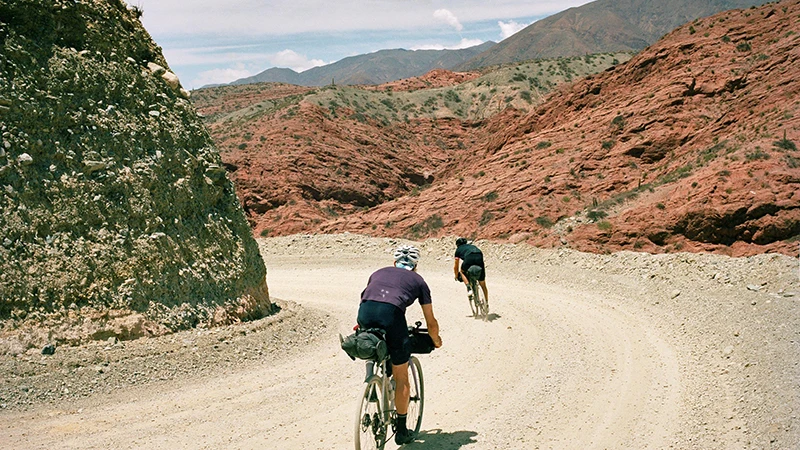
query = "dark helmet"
{"x": 461, "y": 241}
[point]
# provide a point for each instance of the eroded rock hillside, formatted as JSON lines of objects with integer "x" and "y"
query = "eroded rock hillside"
{"x": 691, "y": 145}
{"x": 117, "y": 219}
{"x": 301, "y": 157}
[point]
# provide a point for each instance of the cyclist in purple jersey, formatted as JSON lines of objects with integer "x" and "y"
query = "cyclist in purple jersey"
{"x": 389, "y": 292}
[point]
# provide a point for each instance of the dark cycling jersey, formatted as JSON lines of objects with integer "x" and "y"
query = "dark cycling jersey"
{"x": 464, "y": 250}
{"x": 384, "y": 301}
{"x": 471, "y": 255}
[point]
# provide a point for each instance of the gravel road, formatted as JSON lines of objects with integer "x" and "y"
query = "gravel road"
{"x": 582, "y": 351}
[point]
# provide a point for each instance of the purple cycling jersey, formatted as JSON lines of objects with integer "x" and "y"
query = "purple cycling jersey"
{"x": 399, "y": 287}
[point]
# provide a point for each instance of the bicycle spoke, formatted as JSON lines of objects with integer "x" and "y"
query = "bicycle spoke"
{"x": 370, "y": 432}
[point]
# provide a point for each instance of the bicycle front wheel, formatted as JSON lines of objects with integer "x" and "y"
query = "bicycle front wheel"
{"x": 370, "y": 424}
{"x": 416, "y": 395}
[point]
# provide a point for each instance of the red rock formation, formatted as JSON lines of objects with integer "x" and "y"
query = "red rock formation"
{"x": 690, "y": 146}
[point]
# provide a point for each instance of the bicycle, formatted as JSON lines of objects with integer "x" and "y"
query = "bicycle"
{"x": 376, "y": 410}
{"x": 477, "y": 302}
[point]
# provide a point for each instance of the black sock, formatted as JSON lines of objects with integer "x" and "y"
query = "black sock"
{"x": 401, "y": 421}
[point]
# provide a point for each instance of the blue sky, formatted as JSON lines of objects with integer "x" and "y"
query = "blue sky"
{"x": 219, "y": 41}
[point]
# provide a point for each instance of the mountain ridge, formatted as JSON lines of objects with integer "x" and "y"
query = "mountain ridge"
{"x": 600, "y": 26}
{"x": 379, "y": 67}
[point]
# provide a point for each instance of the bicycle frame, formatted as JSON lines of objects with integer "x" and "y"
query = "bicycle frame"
{"x": 377, "y": 404}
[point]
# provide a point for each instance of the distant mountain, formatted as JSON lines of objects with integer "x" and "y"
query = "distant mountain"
{"x": 600, "y": 26}
{"x": 373, "y": 68}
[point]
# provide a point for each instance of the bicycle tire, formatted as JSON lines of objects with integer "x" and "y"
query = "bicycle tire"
{"x": 473, "y": 305}
{"x": 371, "y": 427}
{"x": 481, "y": 303}
{"x": 416, "y": 401}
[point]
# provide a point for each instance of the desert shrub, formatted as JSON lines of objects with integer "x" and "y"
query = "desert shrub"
{"x": 785, "y": 144}
{"x": 544, "y": 221}
{"x": 604, "y": 225}
{"x": 756, "y": 154}
{"x": 595, "y": 215}
{"x": 486, "y": 217}
{"x": 429, "y": 225}
{"x": 452, "y": 96}
{"x": 490, "y": 196}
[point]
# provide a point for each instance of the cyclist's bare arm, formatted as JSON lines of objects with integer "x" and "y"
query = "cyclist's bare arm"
{"x": 455, "y": 268}
{"x": 432, "y": 324}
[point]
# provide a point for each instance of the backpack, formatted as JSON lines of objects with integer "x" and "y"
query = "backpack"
{"x": 367, "y": 344}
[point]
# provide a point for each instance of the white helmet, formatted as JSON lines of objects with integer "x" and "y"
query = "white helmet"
{"x": 406, "y": 255}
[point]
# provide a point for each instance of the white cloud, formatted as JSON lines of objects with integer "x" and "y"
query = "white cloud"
{"x": 447, "y": 17}
{"x": 170, "y": 18}
{"x": 295, "y": 61}
{"x": 510, "y": 27}
{"x": 219, "y": 76}
{"x": 465, "y": 43}
{"x": 234, "y": 63}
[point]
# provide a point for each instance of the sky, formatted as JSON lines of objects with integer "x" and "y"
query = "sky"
{"x": 219, "y": 41}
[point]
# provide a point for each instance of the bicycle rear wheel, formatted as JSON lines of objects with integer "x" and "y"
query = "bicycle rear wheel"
{"x": 417, "y": 395}
{"x": 473, "y": 304}
{"x": 480, "y": 302}
{"x": 370, "y": 426}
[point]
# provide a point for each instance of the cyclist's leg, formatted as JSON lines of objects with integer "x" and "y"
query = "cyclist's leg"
{"x": 402, "y": 388}
{"x": 482, "y": 280}
{"x": 399, "y": 347}
{"x": 463, "y": 274}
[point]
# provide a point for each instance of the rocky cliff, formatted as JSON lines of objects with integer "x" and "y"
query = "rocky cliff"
{"x": 117, "y": 219}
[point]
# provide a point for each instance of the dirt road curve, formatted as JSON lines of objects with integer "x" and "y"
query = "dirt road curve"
{"x": 625, "y": 351}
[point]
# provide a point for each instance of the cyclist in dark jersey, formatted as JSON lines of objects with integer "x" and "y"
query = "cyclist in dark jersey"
{"x": 389, "y": 292}
{"x": 469, "y": 256}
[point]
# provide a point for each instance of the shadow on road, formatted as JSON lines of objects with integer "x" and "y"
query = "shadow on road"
{"x": 442, "y": 441}
{"x": 490, "y": 318}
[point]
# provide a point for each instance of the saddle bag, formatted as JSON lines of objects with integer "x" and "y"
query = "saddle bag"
{"x": 368, "y": 344}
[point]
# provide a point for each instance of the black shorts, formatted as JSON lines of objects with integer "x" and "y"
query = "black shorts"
{"x": 474, "y": 259}
{"x": 373, "y": 314}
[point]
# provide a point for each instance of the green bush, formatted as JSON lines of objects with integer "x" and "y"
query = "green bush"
{"x": 756, "y": 154}
{"x": 486, "y": 217}
{"x": 544, "y": 221}
{"x": 595, "y": 215}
